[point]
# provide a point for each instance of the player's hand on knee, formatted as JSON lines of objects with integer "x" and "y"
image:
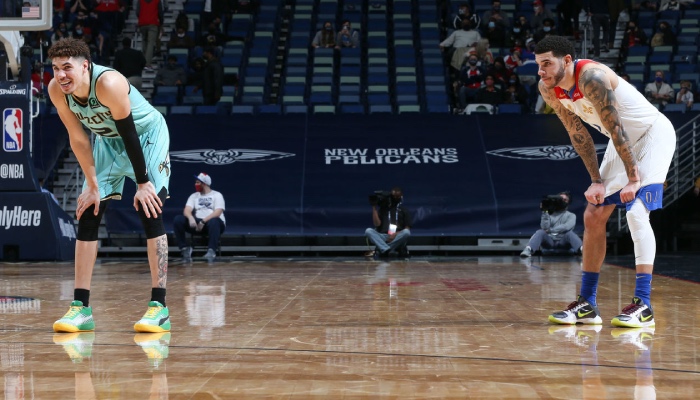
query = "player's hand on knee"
{"x": 91, "y": 196}
{"x": 147, "y": 198}
{"x": 595, "y": 194}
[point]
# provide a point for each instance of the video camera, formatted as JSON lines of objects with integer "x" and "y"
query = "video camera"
{"x": 381, "y": 198}
{"x": 553, "y": 203}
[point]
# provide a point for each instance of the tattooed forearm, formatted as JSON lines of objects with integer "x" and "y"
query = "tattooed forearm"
{"x": 162, "y": 253}
{"x": 598, "y": 90}
{"x": 580, "y": 138}
{"x": 583, "y": 143}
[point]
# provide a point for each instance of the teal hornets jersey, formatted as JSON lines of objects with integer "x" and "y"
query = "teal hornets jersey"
{"x": 98, "y": 118}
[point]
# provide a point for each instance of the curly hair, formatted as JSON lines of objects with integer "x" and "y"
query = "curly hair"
{"x": 70, "y": 47}
{"x": 559, "y": 46}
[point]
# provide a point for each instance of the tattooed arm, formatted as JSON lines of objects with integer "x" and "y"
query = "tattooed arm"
{"x": 580, "y": 137}
{"x": 598, "y": 90}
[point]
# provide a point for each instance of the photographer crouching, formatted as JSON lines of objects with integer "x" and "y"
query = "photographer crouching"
{"x": 392, "y": 223}
{"x": 557, "y": 227}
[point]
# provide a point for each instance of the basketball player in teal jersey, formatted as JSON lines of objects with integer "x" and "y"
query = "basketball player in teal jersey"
{"x": 131, "y": 141}
{"x": 631, "y": 175}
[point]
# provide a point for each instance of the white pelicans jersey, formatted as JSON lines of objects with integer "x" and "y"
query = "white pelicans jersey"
{"x": 636, "y": 113}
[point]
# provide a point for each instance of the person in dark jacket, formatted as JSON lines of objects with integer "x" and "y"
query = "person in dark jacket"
{"x": 130, "y": 62}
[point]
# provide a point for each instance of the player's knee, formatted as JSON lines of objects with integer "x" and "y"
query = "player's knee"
{"x": 89, "y": 225}
{"x": 638, "y": 221}
{"x": 153, "y": 227}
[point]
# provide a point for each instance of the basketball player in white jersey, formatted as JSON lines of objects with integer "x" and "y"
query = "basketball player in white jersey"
{"x": 631, "y": 175}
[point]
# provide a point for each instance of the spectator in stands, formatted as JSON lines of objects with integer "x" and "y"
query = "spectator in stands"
{"x": 129, "y": 62}
{"x": 685, "y": 95}
{"x": 525, "y": 25}
{"x": 470, "y": 80}
{"x": 517, "y": 34}
{"x": 540, "y": 13}
{"x": 515, "y": 92}
{"x": 195, "y": 77}
{"x": 633, "y": 36}
{"x": 60, "y": 32}
{"x": 696, "y": 186}
{"x": 499, "y": 72}
{"x": 212, "y": 78}
{"x": 481, "y": 50}
{"x": 556, "y": 227}
{"x": 40, "y": 77}
{"x": 498, "y": 16}
{"x": 172, "y": 74}
{"x": 214, "y": 36}
{"x": 182, "y": 21}
{"x": 495, "y": 34}
{"x": 216, "y": 11}
{"x": 599, "y": 14}
{"x": 392, "y": 226}
{"x": 464, "y": 12}
{"x": 659, "y": 92}
{"x": 108, "y": 13}
{"x": 150, "y": 20}
{"x": 459, "y": 42}
{"x": 513, "y": 60}
{"x": 664, "y": 36}
{"x": 547, "y": 29}
{"x": 325, "y": 38}
{"x": 626, "y": 77}
{"x": 181, "y": 40}
{"x": 80, "y": 6}
{"x": 203, "y": 214}
{"x": 347, "y": 37}
{"x": 95, "y": 44}
{"x": 568, "y": 12}
{"x": 489, "y": 93}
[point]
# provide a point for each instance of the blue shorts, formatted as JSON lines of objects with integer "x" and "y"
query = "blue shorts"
{"x": 651, "y": 196}
{"x": 112, "y": 164}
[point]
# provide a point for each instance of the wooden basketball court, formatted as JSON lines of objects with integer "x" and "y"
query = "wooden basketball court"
{"x": 342, "y": 328}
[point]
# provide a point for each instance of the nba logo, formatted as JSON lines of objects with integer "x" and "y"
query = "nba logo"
{"x": 12, "y": 129}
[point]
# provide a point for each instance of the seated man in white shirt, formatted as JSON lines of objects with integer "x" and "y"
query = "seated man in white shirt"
{"x": 203, "y": 213}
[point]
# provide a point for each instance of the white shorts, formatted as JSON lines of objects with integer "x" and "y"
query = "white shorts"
{"x": 654, "y": 152}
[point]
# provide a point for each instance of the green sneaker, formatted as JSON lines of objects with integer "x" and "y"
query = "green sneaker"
{"x": 77, "y": 319}
{"x": 78, "y": 345}
{"x": 155, "y": 345}
{"x": 156, "y": 319}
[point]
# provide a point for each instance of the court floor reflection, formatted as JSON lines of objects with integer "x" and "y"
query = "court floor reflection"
{"x": 467, "y": 328}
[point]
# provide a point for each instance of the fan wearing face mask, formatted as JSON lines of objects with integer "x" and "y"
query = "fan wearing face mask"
{"x": 203, "y": 214}
{"x": 659, "y": 92}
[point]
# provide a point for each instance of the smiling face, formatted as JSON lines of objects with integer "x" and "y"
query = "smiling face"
{"x": 552, "y": 70}
{"x": 70, "y": 73}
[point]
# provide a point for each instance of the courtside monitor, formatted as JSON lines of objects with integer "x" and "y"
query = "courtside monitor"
{"x": 25, "y": 15}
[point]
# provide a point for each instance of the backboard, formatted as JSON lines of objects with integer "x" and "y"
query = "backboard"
{"x": 25, "y": 15}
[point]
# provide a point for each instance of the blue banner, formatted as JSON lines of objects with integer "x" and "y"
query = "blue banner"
{"x": 461, "y": 175}
{"x": 34, "y": 227}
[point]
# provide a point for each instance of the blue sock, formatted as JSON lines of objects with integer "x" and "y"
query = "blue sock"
{"x": 589, "y": 286}
{"x": 643, "y": 288}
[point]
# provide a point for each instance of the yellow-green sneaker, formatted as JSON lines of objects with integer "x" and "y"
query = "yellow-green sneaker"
{"x": 77, "y": 319}
{"x": 156, "y": 319}
{"x": 155, "y": 345}
{"x": 78, "y": 345}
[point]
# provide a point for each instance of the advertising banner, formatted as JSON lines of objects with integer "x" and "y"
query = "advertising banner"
{"x": 16, "y": 172}
{"x": 34, "y": 227}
